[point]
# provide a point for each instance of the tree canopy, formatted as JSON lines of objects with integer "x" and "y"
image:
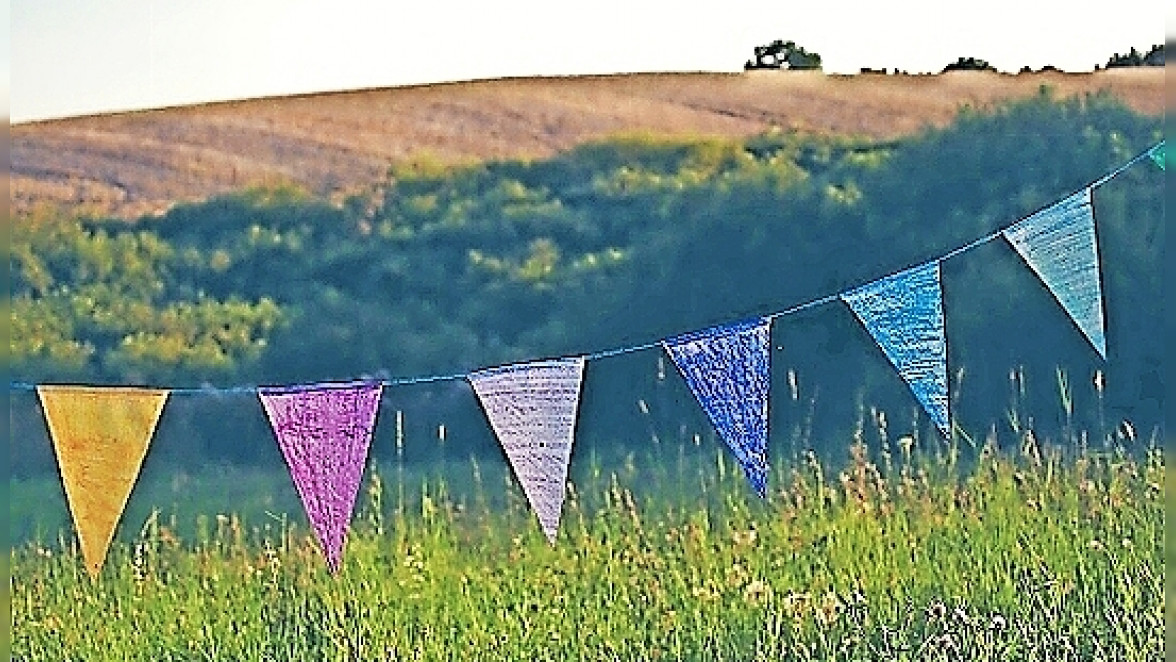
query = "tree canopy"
{"x": 1134, "y": 58}
{"x": 969, "y": 64}
{"x": 782, "y": 54}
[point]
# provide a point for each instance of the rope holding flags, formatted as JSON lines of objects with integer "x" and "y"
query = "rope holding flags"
{"x": 101, "y": 435}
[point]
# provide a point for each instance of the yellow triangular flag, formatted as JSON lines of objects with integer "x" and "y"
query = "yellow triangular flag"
{"x": 100, "y": 436}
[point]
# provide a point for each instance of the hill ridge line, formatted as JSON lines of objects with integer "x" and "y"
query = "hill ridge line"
{"x": 136, "y": 162}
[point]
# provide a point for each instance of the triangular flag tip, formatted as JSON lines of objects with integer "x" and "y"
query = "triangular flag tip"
{"x": 532, "y": 409}
{"x": 324, "y": 432}
{"x": 904, "y": 314}
{"x": 1060, "y": 245}
{"x": 100, "y": 436}
{"x": 728, "y": 370}
{"x": 1159, "y": 155}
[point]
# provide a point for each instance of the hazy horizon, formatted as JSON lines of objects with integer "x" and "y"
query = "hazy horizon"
{"x": 80, "y": 57}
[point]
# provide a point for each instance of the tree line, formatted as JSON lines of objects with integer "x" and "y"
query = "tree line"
{"x": 788, "y": 55}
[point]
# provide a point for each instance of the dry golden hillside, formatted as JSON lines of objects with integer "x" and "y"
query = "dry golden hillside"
{"x": 140, "y": 162}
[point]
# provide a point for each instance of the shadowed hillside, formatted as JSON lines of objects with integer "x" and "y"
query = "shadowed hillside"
{"x": 134, "y": 163}
{"x": 614, "y": 243}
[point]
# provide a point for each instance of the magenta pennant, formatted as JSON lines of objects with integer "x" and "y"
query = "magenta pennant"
{"x": 324, "y": 431}
{"x": 532, "y": 409}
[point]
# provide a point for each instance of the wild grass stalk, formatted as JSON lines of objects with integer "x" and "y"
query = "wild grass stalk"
{"x": 1004, "y": 546}
{"x": 1032, "y": 552}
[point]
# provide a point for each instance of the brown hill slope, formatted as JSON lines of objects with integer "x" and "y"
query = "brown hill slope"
{"x": 141, "y": 162}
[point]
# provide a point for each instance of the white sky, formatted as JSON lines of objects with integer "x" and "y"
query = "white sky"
{"x": 70, "y": 57}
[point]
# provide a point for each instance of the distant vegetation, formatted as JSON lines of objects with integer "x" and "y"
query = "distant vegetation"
{"x": 444, "y": 269}
{"x": 1133, "y": 58}
{"x": 969, "y": 64}
{"x": 782, "y": 54}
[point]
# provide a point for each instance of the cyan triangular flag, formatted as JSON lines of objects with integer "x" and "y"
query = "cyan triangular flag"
{"x": 532, "y": 409}
{"x": 324, "y": 432}
{"x": 728, "y": 369}
{"x": 904, "y": 314}
{"x": 1158, "y": 154}
{"x": 1059, "y": 244}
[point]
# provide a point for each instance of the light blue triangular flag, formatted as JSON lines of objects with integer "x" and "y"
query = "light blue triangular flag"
{"x": 904, "y": 314}
{"x": 728, "y": 370}
{"x": 532, "y": 409}
{"x": 1158, "y": 154}
{"x": 1059, "y": 244}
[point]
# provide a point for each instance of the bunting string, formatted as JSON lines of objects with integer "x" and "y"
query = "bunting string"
{"x": 1156, "y": 153}
{"x": 101, "y": 435}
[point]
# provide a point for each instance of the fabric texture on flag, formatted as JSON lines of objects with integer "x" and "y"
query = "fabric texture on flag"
{"x": 532, "y": 409}
{"x": 904, "y": 314}
{"x": 324, "y": 432}
{"x": 100, "y": 436}
{"x": 728, "y": 370}
{"x": 1060, "y": 245}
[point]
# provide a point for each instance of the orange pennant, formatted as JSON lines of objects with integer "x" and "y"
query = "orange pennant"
{"x": 100, "y": 436}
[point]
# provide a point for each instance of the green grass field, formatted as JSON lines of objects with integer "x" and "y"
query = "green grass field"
{"x": 896, "y": 553}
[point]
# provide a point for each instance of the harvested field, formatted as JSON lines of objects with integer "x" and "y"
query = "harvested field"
{"x": 141, "y": 162}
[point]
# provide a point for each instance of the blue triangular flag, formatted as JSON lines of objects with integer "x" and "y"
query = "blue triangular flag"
{"x": 1158, "y": 154}
{"x": 904, "y": 314}
{"x": 532, "y": 409}
{"x": 727, "y": 368}
{"x": 1059, "y": 244}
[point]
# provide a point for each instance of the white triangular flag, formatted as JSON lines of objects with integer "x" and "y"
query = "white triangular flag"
{"x": 1059, "y": 244}
{"x": 904, "y": 314}
{"x": 532, "y": 409}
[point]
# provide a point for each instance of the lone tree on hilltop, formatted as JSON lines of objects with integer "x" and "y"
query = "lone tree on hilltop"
{"x": 969, "y": 64}
{"x": 782, "y": 54}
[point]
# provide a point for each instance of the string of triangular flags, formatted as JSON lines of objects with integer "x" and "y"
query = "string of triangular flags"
{"x": 101, "y": 435}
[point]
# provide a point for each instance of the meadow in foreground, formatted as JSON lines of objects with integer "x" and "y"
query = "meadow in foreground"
{"x": 1021, "y": 553}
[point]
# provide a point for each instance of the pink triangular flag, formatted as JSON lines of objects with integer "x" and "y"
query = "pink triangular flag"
{"x": 532, "y": 409}
{"x": 324, "y": 432}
